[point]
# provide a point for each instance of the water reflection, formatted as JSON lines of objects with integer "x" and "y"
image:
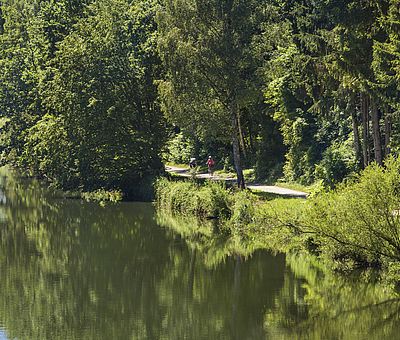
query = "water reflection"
{"x": 71, "y": 270}
{"x": 312, "y": 303}
{"x": 74, "y": 270}
{"x": 327, "y": 306}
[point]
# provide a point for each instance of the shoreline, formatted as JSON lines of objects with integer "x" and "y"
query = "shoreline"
{"x": 350, "y": 228}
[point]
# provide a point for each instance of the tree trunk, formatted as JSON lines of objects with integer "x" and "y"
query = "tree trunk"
{"x": 251, "y": 139}
{"x": 356, "y": 135}
{"x": 236, "y": 151}
{"x": 365, "y": 128}
{"x": 376, "y": 133}
{"x": 388, "y": 133}
{"x": 241, "y": 138}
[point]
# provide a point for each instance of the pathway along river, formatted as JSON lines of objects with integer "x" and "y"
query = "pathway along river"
{"x": 75, "y": 270}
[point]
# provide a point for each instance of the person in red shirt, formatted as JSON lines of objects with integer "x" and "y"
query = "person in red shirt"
{"x": 210, "y": 163}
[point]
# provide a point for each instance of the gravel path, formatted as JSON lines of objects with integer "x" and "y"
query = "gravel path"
{"x": 273, "y": 189}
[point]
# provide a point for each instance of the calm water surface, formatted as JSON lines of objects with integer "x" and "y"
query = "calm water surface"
{"x": 75, "y": 270}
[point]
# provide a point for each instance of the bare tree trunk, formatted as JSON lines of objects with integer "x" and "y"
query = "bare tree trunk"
{"x": 241, "y": 138}
{"x": 388, "y": 132}
{"x": 369, "y": 132}
{"x": 365, "y": 128}
{"x": 251, "y": 139}
{"x": 2, "y": 21}
{"x": 236, "y": 151}
{"x": 376, "y": 133}
{"x": 356, "y": 135}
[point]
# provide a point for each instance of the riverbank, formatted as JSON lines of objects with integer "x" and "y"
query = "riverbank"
{"x": 271, "y": 189}
{"x": 355, "y": 226}
{"x": 141, "y": 191}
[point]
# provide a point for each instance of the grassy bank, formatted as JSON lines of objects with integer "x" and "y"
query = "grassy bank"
{"x": 194, "y": 199}
{"x": 355, "y": 226}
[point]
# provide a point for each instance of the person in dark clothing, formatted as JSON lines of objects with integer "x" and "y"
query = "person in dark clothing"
{"x": 192, "y": 163}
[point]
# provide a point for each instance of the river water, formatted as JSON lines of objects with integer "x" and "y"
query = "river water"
{"x": 75, "y": 270}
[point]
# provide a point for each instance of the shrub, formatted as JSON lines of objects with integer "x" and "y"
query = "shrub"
{"x": 243, "y": 210}
{"x": 179, "y": 149}
{"x": 338, "y": 162}
{"x": 355, "y": 225}
{"x": 190, "y": 198}
{"x": 359, "y": 222}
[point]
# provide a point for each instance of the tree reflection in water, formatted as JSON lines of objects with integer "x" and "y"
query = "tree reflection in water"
{"x": 75, "y": 270}
{"x": 313, "y": 303}
{"x": 323, "y": 305}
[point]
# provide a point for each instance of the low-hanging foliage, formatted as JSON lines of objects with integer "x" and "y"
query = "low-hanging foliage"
{"x": 102, "y": 196}
{"x": 358, "y": 224}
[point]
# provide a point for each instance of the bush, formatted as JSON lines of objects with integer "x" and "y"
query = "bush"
{"x": 179, "y": 149}
{"x": 355, "y": 225}
{"x": 359, "y": 222}
{"x": 190, "y": 198}
{"x": 338, "y": 162}
{"x": 243, "y": 210}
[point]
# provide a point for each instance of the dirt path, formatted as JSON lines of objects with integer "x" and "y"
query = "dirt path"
{"x": 273, "y": 189}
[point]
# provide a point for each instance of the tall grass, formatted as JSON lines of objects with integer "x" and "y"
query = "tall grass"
{"x": 189, "y": 198}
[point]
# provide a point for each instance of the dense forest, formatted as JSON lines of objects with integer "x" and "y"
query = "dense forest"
{"x": 98, "y": 93}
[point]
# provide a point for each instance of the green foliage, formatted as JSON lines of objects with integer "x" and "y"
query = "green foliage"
{"x": 179, "y": 149}
{"x": 85, "y": 87}
{"x": 203, "y": 46}
{"x": 243, "y": 210}
{"x": 102, "y": 196}
{"x": 105, "y": 75}
{"x": 270, "y": 151}
{"x": 242, "y": 213}
{"x": 355, "y": 225}
{"x": 79, "y": 92}
{"x": 338, "y": 162}
{"x": 48, "y": 152}
{"x": 359, "y": 221}
{"x": 211, "y": 87}
{"x": 189, "y": 198}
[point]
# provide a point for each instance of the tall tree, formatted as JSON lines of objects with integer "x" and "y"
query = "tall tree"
{"x": 31, "y": 32}
{"x": 103, "y": 97}
{"x": 206, "y": 51}
{"x": 77, "y": 91}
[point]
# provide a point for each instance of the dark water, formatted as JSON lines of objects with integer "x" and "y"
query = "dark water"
{"x": 76, "y": 270}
